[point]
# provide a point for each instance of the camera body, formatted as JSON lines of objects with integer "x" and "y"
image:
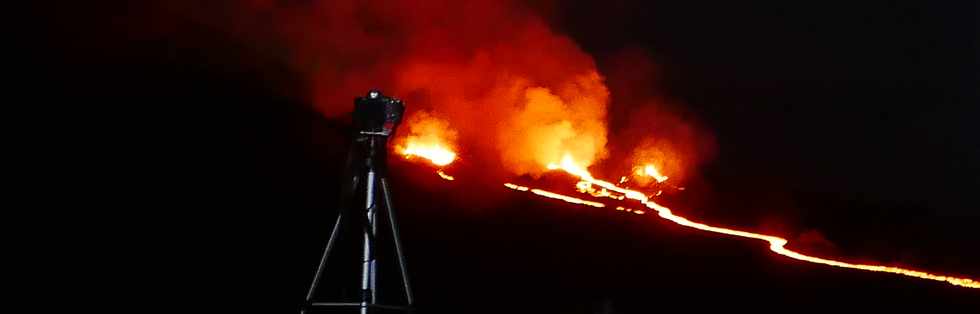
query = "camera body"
{"x": 377, "y": 113}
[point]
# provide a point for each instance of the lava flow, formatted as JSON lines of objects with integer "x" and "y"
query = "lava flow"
{"x": 444, "y": 175}
{"x": 435, "y": 153}
{"x": 776, "y": 244}
{"x": 433, "y": 147}
{"x": 554, "y": 195}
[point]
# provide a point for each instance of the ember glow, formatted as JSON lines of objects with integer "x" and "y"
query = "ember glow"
{"x": 776, "y": 244}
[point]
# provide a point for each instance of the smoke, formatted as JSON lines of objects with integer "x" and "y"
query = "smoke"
{"x": 548, "y": 127}
{"x": 517, "y": 93}
{"x": 429, "y": 137}
{"x": 513, "y": 91}
{"x": 675, "y": 147}
{"x": 649, "y": 127}
{"x": 427, "y": 129}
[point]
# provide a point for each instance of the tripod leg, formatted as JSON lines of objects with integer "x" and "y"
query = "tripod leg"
{"x": 323, "y": 260}
{"x": 372, "y": 232}
{"x": 373, "y": 279}
{"x": 334, "y": 235}
{"x": 367, "y": 261}
{"x": 397, "y": 239}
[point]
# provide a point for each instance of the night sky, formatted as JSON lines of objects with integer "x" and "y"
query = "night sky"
{"x": 855, "y": 122}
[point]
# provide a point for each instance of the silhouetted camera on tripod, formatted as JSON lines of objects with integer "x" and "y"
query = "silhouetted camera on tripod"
{"x": 366, "y": 195}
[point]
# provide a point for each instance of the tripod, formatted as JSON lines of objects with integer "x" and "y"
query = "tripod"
{"x": 372, "y": 174}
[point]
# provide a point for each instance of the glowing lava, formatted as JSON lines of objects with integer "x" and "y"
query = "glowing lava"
{"x": 651, "y": 171}
{"x": 599, "y": 188}
{"x": 776, "y": 244}
{"x": 444, "y": 175}
{"x": 435, "y": 153}
{"x": 630, "y": 210}
{"x": 586, "y": 187}
{"x": 428, "y": 137}
{"x": 554, "y": 195}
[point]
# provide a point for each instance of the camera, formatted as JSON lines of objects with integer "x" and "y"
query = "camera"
{"x": 377, "y": 114}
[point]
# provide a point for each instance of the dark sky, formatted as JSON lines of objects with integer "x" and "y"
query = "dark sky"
{"x": 854, "y": 120}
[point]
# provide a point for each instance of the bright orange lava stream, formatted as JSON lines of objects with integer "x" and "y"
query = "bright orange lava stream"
{"x": 776, "y": 244}
{"x": 434, "y": 150}
{"x": 554, "y": 195}
{"x": 442, "y": 156}
{"x": 444, "y": 175}
{"x": 438, "y": 154}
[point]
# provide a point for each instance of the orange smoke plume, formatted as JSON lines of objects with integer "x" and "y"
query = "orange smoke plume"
{"x": 552, "y": 125}
{"x": 652, "y": 161}
{"x": 518, "y": 93}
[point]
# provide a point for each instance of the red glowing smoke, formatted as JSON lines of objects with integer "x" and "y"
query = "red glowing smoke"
{"x": 516, "y": 93}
